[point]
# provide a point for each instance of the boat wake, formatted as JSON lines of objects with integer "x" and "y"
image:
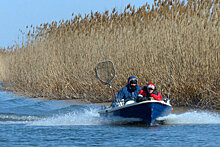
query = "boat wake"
{"x": 16, "y": 119}
{"x": 34, "y": 112}
{"x": 84, "y": 117}
{"x": 89, "y": 116}
{"x": 191, "y": 118}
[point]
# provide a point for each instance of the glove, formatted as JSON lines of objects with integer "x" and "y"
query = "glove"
{"x": 140, "y": 99}
{"x": 150, "y": 98}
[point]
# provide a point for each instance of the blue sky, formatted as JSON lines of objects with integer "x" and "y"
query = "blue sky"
{"x": 17, "y": 14}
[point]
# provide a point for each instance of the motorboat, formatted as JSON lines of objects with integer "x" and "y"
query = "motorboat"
{"x": 146, "y": 112}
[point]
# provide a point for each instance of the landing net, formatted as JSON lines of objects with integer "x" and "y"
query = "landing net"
{"x": 105, "y": 71}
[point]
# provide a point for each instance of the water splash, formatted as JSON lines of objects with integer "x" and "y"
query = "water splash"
{"x": 87, "y": 116}
{"x": 192, "y": 117}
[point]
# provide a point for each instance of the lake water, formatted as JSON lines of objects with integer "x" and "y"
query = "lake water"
{"x": 33, "y": 122}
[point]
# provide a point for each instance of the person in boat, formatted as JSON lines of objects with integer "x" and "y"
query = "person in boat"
{"x": 149, "y": 92}
{"x": 130, "y": 91}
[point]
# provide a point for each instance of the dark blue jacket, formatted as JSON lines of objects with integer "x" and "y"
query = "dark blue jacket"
{"x": 127, "y": 93}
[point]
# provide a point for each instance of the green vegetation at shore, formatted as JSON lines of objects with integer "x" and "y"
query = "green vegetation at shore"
{"x": 58, "y": 59}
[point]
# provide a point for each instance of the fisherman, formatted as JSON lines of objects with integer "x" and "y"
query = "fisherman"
{"x": 130, "y": 91}
{"x": 149, "y": 92}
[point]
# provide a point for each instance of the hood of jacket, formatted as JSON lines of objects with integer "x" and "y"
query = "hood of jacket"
{"x": 131, "y": 77}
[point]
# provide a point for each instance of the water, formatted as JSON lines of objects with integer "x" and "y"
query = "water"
{"x": 33, "y": 122}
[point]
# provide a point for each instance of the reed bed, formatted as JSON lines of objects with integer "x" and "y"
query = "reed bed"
{"x": 3, "y": 74}
{"x": 170, "y": 40}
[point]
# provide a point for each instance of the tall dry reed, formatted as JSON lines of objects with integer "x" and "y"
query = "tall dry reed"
{"x": 3, "y": 72}
{"x": 170, "y": 38}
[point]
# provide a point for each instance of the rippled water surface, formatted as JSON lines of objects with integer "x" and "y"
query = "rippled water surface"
{"x": 33, "y": 122}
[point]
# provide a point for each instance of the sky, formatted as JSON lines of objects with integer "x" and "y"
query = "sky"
{"x": 15, "y": 15}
